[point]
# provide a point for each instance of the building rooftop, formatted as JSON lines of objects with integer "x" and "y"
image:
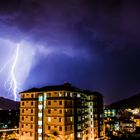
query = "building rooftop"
{"x": 66, "y": 86}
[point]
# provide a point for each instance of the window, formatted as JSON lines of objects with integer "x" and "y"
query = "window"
{"x": 22, "y": 103}
{"x": 22, "y": 126}
{"x": 60, "y": 111}
{"x": 65, "y": 103}
{"x": 40, "y": 98}
{"x": 49, "y": 111}
{"x": 49, "y": 119}
{"x": 22, "y": 118}
{"x": 60, "y": 128}
{"x": 40, "y": 107}
{"x": 49, "y": 127}
{"x": 66, "y": 128}
{"x": 71, "y": 94}
{"x": 30, "y": 134}
{"x": 32, "y": 95}
{"x": 31, "y": 118}
{"x": 23, "y": 96}
{"x": 49, "y": 102}
{"x": 66, "y": 94}
{"x": 39, "y": 122}
{"x": 78, "y": 95}
{"x": 32, "y": 103}
{"x": 31, "y": 110}
{"x": 39, "y": 130}
{"x": 39, "y": 115}
{"x": 49, "y": 94}
{"x": 60, "y": 102}
{"x": 60, "y": 94}
{"x": 22, "y": 110}
{"x": 31, "y": 126}
{"x": 71, "y": 119}
{"x": 60, "y": 119}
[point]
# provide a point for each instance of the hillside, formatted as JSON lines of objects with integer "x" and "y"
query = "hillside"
{"x": 131, "y": 102}
{"x": 7, "y": 104}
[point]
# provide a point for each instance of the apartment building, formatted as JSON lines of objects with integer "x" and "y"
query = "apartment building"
{"x": 61, "y": 112}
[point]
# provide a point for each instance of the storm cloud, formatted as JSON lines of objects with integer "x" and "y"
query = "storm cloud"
{"x": 92, "y": 44}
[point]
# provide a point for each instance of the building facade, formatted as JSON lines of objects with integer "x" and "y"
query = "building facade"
{"x": 63, "y": 112}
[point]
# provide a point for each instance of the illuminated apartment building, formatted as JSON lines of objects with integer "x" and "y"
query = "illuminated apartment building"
{"x": 61, "y": 111}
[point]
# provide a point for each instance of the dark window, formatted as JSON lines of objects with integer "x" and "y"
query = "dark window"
{"x": 31, "y": 110}
{"x": 60, "y": 111}
{"x": 49, "y": 94}
{"x": 32, "y": 95}
{"x": 60, "y": 102}
{"x": 31, "y": 134}
{"x": 31, "y": 126}
{"x": 49, "y": 111}
{"x": 49, "y": 102}
{"x": 31, "y": 118}
{"x": 66, "y": 128}
{"x": 60, "y": 128}
{"x": 49, "y": 127}
{"x": 22, "y": 126}
{"x": 60, "y": 119}
{"x": 32, "y": 103}
{"x": 22, "y": 118}
{"x": 22, "y": 103}
{"x": 22, "y": 110}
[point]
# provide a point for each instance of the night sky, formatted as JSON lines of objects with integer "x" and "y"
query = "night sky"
{"x": 93, "y": 45}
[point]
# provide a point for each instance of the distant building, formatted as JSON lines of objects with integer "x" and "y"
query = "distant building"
{"x": 9, "y": 119}
{"x": 61, "y": 111}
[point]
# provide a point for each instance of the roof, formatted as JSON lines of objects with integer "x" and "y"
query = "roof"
{"x": 66, "y": 86}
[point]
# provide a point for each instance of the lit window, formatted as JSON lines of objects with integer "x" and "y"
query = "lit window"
{"x": 78, "y": 95}
{"x": 39, "y": 130}
{"x": 49, "y": 119}
{"x": 71, "y": 119}
{"x": 40, "y": 106}
{"x": 40, "y": 98}
{"x": 39, "y": 114}
{"x": 78, "y": 135}
{"x": 39, "y": 122}
{"x": 39, "y": 138}
{"x": 66, "y": 94}
{"x": 60, "y": 94}
{"x": 71, "y": 94}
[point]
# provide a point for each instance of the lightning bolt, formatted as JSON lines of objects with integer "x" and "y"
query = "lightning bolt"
{"x": 11, "y": 83}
